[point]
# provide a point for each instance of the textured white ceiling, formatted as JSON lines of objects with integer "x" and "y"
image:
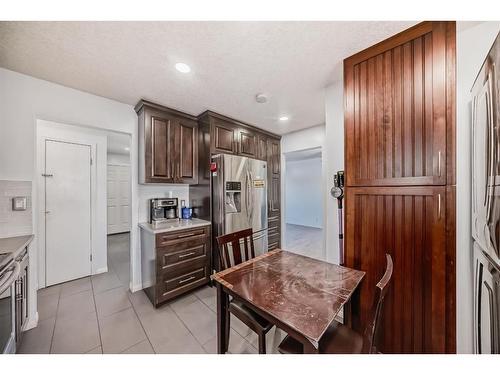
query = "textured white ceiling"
{"x": 292, "y": 62}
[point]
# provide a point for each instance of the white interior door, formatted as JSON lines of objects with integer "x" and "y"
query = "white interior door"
{"x": 67, "y": 211}
{"x": 118, "y": 198}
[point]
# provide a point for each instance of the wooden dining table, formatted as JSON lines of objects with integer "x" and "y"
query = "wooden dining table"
{"x": 300, "y": 295}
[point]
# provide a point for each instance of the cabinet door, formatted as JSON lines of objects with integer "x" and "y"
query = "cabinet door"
{"x": 159, "y": 156}
{"x": 247, "y": 143}
{"x": 224, "y": 137}
{"x": 396, "y": 108}
{"x": 262, "y": 147}
{"x": 274, "y": 156}
{"x": 186, "y": 155}
{"x": 409, "y": 224}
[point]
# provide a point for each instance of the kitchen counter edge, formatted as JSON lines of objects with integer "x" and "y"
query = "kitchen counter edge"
{"x": 15, "y": 245}
{"x": 173, "y": 227}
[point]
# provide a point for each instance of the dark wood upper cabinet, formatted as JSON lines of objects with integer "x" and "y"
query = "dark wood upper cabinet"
{"x": 160, "y": 162}
{"x": 409, "y": 223}
{"x": 224, "y": 137}
{"x": 396, "y": 107}
{"x": 168, "y": 145}
{"x": 247, "y": 143}
{"x": 187, "y": 141}
{"x": 274, "y": 155}
{"x": 262, "y": 147}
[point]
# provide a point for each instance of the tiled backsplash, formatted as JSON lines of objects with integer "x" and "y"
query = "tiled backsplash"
{"x": 14, "y": 223}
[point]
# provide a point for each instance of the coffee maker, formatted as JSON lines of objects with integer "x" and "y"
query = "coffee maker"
{"x": 163, "y": 210}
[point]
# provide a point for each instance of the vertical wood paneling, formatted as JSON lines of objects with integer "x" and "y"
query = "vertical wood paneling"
{"x": 379, "y": 116}
{"x": 403, "y": 222}
{"x": 407, "y": 131}
{"x": 394, "y": 113}
{"x": 363, "y": 118}
{"x": 428, "y": 119}
{"x": 388, "y": 115}
{"x": 398, "y": 119}
{"x": 418, "y": 137}
{"x": 397, "y": 98}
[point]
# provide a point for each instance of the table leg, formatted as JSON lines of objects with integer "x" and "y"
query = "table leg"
{"x": 222, "y": 319}
{"x": 310, "y": 349}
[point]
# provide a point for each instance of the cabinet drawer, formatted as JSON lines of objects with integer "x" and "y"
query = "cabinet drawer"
{"x": 184, "y": 279}
{"x": 168, "y": 258}
{"x": 187, "y": 238}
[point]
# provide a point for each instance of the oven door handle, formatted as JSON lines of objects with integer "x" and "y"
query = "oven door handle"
{"x": 10, "y": 280}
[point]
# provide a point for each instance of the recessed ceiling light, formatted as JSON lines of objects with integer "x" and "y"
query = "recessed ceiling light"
{"x": 127, "y": 148}
{"x": 284, "y": 118}
{"x": 183, "y": 68}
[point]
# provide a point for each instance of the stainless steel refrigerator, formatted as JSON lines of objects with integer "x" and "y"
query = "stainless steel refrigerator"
{"x": 486, "y": 203}
{"x": 239, "y": 197}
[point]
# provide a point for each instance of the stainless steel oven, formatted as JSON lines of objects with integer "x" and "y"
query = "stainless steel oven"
{"x": 8, "y": 276}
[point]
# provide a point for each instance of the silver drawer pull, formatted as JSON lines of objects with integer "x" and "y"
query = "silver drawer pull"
{"x": 186, "y": 255}
{"x": 186, "y": 280}
{"x": 186, "y": 235}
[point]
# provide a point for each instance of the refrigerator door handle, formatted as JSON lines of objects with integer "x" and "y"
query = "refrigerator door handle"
{"x": 491, "y": 152}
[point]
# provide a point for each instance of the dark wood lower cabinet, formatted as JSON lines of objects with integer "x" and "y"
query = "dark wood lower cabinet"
{"x": 175, "y": 262}
{"x": 410, "y": 224}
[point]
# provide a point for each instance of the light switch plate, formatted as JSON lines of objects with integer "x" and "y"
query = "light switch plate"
{"x": 19, "y": 203}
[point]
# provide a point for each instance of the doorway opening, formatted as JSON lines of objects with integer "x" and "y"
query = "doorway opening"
{"x": 304, "y": 208}
{"x": 118, "y": 207}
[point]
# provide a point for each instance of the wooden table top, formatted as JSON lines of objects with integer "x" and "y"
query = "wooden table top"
{"x": 304, "y": 293}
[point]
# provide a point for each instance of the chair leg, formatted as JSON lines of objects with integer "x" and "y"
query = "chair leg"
{"x": 228, "y": 329}
{"x": 262, "y": 343}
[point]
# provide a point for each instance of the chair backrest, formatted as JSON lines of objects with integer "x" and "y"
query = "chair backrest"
{"x": 378, "y": 300}
{"x": 232, "y": 255}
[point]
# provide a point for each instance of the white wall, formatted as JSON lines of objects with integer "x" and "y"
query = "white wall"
{"x": 309, "y": 138}
{"x": 333, "y": 156}
{"x": 24, "y": 99}
{"x": 303, "y": 192}
{"x": 473, "y": 45}
{"x": 118, "y": 159}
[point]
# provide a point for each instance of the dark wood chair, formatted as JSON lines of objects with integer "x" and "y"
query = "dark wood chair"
{"x": 231, "y": 254}
{"x": 340, "y": 339}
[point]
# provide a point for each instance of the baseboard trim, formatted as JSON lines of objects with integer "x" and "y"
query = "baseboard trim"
{"x": 32, "y": 322}
{"x": 100, "y": 270}
{"x": 135, "y": 288}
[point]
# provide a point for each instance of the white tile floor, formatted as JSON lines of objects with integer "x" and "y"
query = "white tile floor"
{"x": 98, "y": 314}
{"x": 304, "y": 240}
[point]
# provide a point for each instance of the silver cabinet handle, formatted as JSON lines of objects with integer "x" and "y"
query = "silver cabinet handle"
{"x": 186, "y": 280}
{"x": 439, "y": 206}
{"x": 186, "y": 235}
{"x": 186, "y": 255}
{"x": 47, "y": 175}
{"x": 439, "y": 163}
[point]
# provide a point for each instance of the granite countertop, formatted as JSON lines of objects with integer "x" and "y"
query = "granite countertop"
{"x": 15, "y": 245}
{"x": 173, "y": 226}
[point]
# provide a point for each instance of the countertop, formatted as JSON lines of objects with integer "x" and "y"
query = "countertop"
{"x": 15, "y": 245}
{"x": 173, "y": 226}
